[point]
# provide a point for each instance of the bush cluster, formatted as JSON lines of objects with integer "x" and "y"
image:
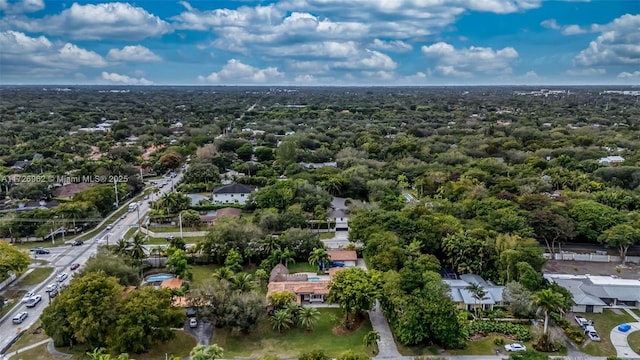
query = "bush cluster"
{"x": 574, "y": 333}
{"x": 520, "y": 332}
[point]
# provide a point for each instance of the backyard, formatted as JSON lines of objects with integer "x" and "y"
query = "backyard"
{"x": 265, "y": 341}
{"x": 604, "y": 323}
{"x": 181, "y": 345}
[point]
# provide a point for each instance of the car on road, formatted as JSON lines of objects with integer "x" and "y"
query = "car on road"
{"x": 123, "y": 217}
{"x": 109, "y": 227}
{"x": 51, "y": 287}
{"x": 515, "y": 347}
{"x": 40, "y": 251}
{"x": 75, "y": 266}
{"x": 62, "y": 277}
{"x": 28, "y": 296}
{"x": 34, "y": 301}
{"x": 146, "y": 197}
{"x": 20, "y": 317}
{"x": 77, "y": 243}
{"x": 193, "y": 323}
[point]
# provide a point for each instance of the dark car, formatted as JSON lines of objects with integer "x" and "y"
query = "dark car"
{"x": 77, "y": 243}
{"x": 41, "y": 251}
{"x": 75, "y": 266}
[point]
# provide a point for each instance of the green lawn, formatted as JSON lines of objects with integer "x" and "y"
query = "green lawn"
{"x": 36, "y": 276}
{"x": 302, "y": 267}
{"x": 13, "y": 297}
{"x": 634, "y": 341}
{"x": 181, "y": 345}
{"x": 31, "y": 244}
{"x": 29, "y": 338}
{"x": 202, "y": 272}
{"x": 604, "y": 323}
{"x": 636, "y": 311}
{"x": 265, "y": 341}
{"x": 175, "y": 229}
{"x": 326, "y": 235}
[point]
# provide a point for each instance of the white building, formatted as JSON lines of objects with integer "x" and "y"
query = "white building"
{"x": 591, "y": 294}
{"x": 458, "y": 290}
{"x": 609, "y": 160}
{"x": 232, "y": 194}
{"x": 347, "y": 257}
{"x": 338, "y": 214}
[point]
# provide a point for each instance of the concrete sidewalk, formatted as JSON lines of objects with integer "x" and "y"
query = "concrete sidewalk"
{"x": 620, "y": 342}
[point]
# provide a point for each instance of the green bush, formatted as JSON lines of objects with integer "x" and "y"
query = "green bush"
{"x": 314, "y": 355}
{"x": 575, "y": 334}
{"x": 520, "y": 332}
{"x": 499, "y": 341}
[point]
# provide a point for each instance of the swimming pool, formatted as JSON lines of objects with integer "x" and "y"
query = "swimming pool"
{"x": 409, "y": 197}
{"x": 313, "y": 278}
{"x": 158, "y": 277}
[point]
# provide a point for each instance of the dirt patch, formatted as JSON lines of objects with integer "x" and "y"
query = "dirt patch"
{"x": 71, "y": 189}
{"x": 592, "y": 268}
{"x": 342, "y": 331}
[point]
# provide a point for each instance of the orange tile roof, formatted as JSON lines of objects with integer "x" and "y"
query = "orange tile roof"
{"x": 334, "y": 270}
{"x": 173, "y": 283}
{"x": 343, "y": 255}
{"x": 299, "y": 287}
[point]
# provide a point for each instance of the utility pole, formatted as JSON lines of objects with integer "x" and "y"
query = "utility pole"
{"x": 180, "y": 220}
{"x": 115, "y": 188}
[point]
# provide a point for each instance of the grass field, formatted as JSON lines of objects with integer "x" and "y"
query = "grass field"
{"x": 604, "y": 323}
{"x": 202, "y": 272}
{"x": 29, "y": 338}
{"x": 181, "y": 345}
{"x": 636, "y": 311}
{"x": 634, "y": 341}
{"x": 36, "y": 276}
{"x": 302, "y": 267}
{"x": 13, "y": 298}
{"x": 327, "y": 235}
{"x": 265, "y": 341}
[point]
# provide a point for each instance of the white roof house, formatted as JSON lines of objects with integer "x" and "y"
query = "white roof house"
{"x": 459, "y": 293}
{"x": 613, "y": 159}
{"x": 592, "y": 293}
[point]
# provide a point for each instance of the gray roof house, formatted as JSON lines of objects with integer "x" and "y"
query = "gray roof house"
{"x": 459, "y": 293}
{"x": 232, "y": 194}
{"x": 592, "y": 294}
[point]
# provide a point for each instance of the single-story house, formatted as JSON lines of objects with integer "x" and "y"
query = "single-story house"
{"x": 20, "y": 165}
{"x": 232, "y": 194}
{"x": 458, "y": 290}
{"x": 591, "y": 294}
{"x": 306, "y": 288}
{"x": 610, "y": 160}
{"x": 346, "y": 257}
{"x": 339, "y": 214}
{"x": 173, "y": 283}
{"x": 210, "y": 219}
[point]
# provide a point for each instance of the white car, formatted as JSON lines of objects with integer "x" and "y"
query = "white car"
{"x": 19, "y": 318}
{"x": 51, "y": 287}
{"x": 62, "y": 277}
{"x": 515, "y": 347}
{"x": 193, "y": 323}
{"x": 34, "y": 301}
{"x": 28, "y": 296}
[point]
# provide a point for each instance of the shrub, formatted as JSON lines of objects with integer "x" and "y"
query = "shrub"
{"x": 314, "y": 355}
{"x": 351, "y": 355}
{"x": 520, "y": 332}
{"x": 499, "y": 341}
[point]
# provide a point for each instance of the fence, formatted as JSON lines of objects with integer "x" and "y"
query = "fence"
{"x": 6, "y": 283}
{"x": 593, "y": 257}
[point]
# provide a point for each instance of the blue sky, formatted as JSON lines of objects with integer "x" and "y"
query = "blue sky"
{"x": 320, "y": 42}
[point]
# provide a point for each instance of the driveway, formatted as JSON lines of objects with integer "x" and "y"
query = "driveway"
{"x": 202, "y": 333}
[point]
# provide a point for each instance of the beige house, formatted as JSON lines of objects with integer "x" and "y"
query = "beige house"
{"x": 307, "y": 287}
{"x": 347, "y": 257}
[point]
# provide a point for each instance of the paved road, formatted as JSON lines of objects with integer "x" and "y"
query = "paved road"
{"x": 62, "y": 257}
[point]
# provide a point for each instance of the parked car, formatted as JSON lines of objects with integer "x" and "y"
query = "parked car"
{"x": 62, "y": 277}
{"x": 591, "y": 332}
{"x": 583, "y": 322}
{"x": 34, "y": 301}
{"x": 20, "y": 317}
{"x": 193, "y": 323}
{"x": 75, "y": 266}
{"x": 77, "y": 243}
{"x": 515, "y": 347}
{"x": 27, "y": 296}
{"x": 53, "y": 293}
{"x": 51, "y": 287}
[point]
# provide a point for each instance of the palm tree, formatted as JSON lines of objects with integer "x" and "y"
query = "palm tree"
{"x": 101, "y": 354}
{"x": 122, "y": 247}
{"x": 547, "y": 300}
{"x": 478, "y": 293}
{"x": 157, "y": 251}
{"x": 308, "y": 317}
{"x": 294, "y": 310}
{"x": 281, "y": 320}
{"x": 371, "y": 339}
{"x": 287, "y": 256}
{"x": 270, "y": 244}
{"x": 243, "y": 282}
{"x": 137, "y": 251}
{"x": 202, "y": 352}
{"x": 224, "y": 273}
{"x": 319, "y": 257}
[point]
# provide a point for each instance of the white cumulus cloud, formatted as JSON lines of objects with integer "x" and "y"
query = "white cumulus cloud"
{"x": 629, "y": 75}
{"x": 124, "y": 79}
{"x": 236, "y": 72}
{"x": 135, "y": 53}
{"x": 468, "y": 61}
{"x": 392, "y": 45}
{"x": 22, "y": 54}
{"x": 22, "y": 6}
{"x": 618, "y": 44}
{"x": 96, "y": 22}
